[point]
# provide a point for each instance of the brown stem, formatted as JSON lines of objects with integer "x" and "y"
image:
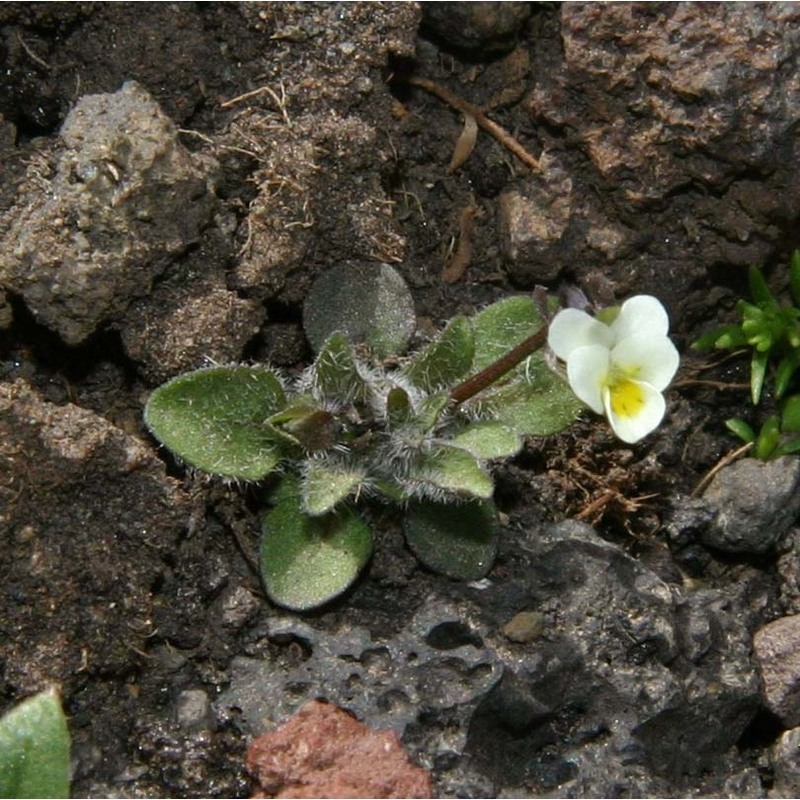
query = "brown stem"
{"x": 491, "y": 127}
{"x": 488, "y": 375}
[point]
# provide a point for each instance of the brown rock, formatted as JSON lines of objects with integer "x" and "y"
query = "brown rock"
{"x": 324, "y": 752}
{"x": 777, "y": 649}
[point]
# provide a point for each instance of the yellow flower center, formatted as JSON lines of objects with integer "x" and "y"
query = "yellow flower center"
{"x": 627, "y": 397}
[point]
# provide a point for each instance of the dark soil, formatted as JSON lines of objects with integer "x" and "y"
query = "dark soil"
{"x": 127, "y": 618}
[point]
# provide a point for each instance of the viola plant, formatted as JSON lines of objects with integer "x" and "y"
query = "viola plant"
{"x": 619, "y": 363}
{"x": 421, "y": 435}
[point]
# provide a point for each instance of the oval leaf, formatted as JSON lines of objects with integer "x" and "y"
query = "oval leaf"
{"x": 536, "y": 403}
{"x": 326, "y": 483}
{"x": 455, "y": 470}
{"x": 34, "y": 749}
{"x": 446, "y": 360}
{"x": 489, "y": 439}
{"x": 215, "y": 419}
{"x": 369, "y": 303}
{"x": 501, "y": 326}
{"x": 307, "y": 561}
{"x": 459, "y": 541}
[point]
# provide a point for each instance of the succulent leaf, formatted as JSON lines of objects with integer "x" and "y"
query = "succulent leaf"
{"x": 326, "y": 483}
{"x": 216, "y": 419}
{"x": 446, "y": 360}
{"x": 307, "y": 561}
{"x": 34, "y": 749}
{"x": 459, "y": 541}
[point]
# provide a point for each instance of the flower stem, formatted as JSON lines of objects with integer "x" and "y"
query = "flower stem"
{"x": 489, "y": 375}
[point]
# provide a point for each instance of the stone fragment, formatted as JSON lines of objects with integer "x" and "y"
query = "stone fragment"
{"x": 324, "y": 752}
{"x": 94, "y": 517}
{"x": 534, "y": 218}
{"x": 193, "y": 710}
{"x": 777, "y": 649}
{"x": 785, "y": 757}
{"x": 96, "y": 225}
{"x": 485, "y": 29}
{"x": 525, "y": 627}
{"x": 755, "y": 503}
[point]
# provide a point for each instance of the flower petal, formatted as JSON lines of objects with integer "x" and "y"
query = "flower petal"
{"x": 633, "y": 408}
{"x": 587, "y": 370}
{"x": 571, "y": 329}
{"x": 652, "y": 359}
{"x": 642, "y": 315}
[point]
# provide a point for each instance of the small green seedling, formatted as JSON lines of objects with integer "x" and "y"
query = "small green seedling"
{"x": 34, "y": 749}
{"x": 772, "y": 331}
{"x": 420, "y": 435}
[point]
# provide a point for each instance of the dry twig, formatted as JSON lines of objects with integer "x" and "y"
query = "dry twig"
{"x": 466, "y": 108}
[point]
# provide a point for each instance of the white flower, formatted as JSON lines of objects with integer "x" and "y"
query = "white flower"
{"x": 619, "y": 368}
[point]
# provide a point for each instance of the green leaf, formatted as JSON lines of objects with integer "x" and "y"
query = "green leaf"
{"x": 537, "y": 403}
{"x": 34, "y": 749}
{"x": 459, "y": 541}
{"x": 741, "y": 429}
{"x": 501, "y": 326}
{"x": 785, "y": 371}
{"x": 216, "y": 419}
{"x": 307, "y": 561}
{"x": 326, "y": 483}
{"x": 445, "y": 361}
{"x": 759, "y": 289}
{"x": 335, "y": 372}
{"x": 794, "y": 276}
{"x": 758, "y": 371}
{"x": 369, "y": 303}
{"x": 790, "y": 414}
{"x": 398, "y": 407}
{"x": 723, "y": 338}
{"x": 788, "y": 448}
{"x": 488, "y": 439}
{"x": 768, "y": 439}
{"x": 455, "y": 470}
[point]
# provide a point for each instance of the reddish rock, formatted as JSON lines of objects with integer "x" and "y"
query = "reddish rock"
{"x": 324, "y": 752}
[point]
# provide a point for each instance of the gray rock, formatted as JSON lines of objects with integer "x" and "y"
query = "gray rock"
{"x": 633, "y": 687}
{"x": 776, "y": 647}
{"x": 754, "y": 502}
{"x": 785, "y": 759}
{"x": 121, "y": 198}
{"x": 193, "y": 710}
{"x": 478, "y": 29}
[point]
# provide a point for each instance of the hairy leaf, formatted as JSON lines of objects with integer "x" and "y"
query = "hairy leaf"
{"x": 459, "y": 541}
{"x": 369, "y": 303}
{"x": 34, "y": 749}
{"x": 446, "y": 360}
{"x": 501, "y": 326}
{"x": 488, "y": 439}
{"x": 326, "y": 483}
{"x": 335, "y": 372}
{"x": 455, "y": 470}
{"x": 216, "y": 419}
{"x": 307, "y": 561}
{"x": 538, "y": 403}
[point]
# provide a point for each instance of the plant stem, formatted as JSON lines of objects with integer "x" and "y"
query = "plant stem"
{"x": 489, "y": 375}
